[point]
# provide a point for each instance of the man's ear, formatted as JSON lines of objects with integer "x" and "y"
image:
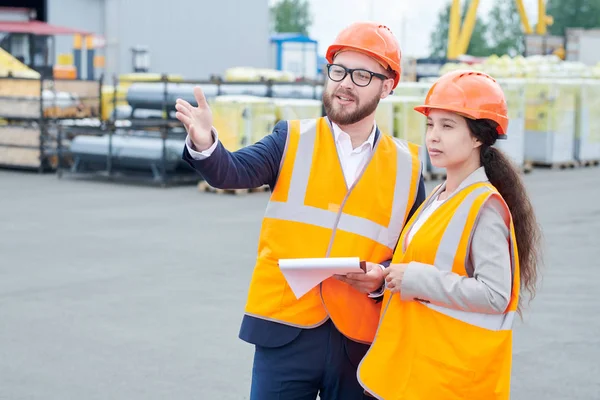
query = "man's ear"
{"x": 386, "y": 88}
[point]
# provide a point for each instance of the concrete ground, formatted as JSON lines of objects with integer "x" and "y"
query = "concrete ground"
{"x": 109, "y": 291}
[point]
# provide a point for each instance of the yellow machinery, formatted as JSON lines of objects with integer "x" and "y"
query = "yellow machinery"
{"x": 459, "y": 37}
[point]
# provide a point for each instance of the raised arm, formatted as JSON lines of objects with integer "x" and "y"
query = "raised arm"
{"x": 249, "y": 167}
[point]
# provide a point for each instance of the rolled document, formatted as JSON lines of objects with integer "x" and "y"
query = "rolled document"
{"x": 303, "y": 274}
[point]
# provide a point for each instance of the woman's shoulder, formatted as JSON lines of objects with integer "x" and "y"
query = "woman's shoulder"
{"x": 494, "y": 214}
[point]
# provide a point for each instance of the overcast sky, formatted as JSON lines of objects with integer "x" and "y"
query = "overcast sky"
{"x": 330, "y": 16}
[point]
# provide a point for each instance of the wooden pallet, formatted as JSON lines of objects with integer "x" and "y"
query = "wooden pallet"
{"x": 437, "y": 176}
{"x": 558, "y": 165}
{"x": 589, "y": 163}
{"x": 440, "y": 176}
{"x": 205, "y": 187}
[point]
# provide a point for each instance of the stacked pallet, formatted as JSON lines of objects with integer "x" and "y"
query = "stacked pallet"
{"x": 203, "y": 186}
{"x": 20, "y": 146}
{"x": 24, "y": 98}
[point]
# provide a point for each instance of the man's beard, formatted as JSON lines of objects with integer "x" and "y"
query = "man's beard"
{"x": 340, "y": 115}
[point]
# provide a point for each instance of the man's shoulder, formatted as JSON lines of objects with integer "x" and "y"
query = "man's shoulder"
{"x": 282, "y": 127}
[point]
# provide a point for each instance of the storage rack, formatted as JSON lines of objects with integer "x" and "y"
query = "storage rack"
{"x": 29, "y": 137}
{"x": 162, "y": 171}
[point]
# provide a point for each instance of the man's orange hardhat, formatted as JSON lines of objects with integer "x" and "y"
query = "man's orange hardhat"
{"x": 472, "y": 94}
{"x": 373, "y": 39}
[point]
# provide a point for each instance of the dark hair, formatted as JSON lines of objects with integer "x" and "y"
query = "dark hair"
{"x": 505, "y": 177}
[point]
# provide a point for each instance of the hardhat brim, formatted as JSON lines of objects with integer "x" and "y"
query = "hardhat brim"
{"x": 467, "y": 113}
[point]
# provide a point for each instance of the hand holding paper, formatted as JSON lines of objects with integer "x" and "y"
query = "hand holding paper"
{"x": 303, "y": 274}
{"x": 367, "y": 282}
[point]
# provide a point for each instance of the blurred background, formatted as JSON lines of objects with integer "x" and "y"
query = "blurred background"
{"x": 124, "y": 275}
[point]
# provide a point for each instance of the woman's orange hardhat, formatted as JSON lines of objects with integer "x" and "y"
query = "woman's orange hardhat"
{"x": 472, "y": 94}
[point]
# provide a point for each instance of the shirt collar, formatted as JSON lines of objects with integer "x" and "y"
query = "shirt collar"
{"x": 337, "y": 132}
{"x": 476, "y": 176}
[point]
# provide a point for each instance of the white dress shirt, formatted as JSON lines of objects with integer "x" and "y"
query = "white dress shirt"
{"x": 488, "y": 286}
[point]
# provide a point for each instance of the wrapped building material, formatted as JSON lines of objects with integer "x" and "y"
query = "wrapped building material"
{"x": 587, "y": 134}
{"x": 242, "y": 120}
{"x": 385, "y": 115}
{"x": 514, "y": 145}
{"x": 413, "y": 89}
{"x": 411, "y": 125}
{"x": 550, "y": 120}
{"x": 287, "y": 109}
{"x": 297, "y": 91}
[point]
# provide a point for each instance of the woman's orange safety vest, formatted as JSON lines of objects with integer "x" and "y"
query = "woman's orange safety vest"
{"x": 423, "y": 351}
{"x": 312, "y": 213}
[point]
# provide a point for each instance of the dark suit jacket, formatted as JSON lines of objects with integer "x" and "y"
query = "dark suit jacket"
{"x": 251, "y": 167}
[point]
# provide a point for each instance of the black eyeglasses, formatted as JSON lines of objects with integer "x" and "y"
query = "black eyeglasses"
{"x": 360, "y": 77}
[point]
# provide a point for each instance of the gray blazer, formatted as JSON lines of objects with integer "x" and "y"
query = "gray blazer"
{"x": 488, "y": 287}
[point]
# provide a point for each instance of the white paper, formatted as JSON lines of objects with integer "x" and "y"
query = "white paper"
{"x": 303, "y": 274}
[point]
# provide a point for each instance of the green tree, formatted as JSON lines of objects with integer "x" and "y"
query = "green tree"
{"x": 439, "y": 36}
{"x": 291, "y": 16}
{"x": 504, "y": 29}
{"x": 573, "y": 14}
{"x": 478, "y": 45}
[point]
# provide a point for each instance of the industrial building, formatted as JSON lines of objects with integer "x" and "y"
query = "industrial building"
{"x": 57, "y": 114}
{"x": 182, "y": 37}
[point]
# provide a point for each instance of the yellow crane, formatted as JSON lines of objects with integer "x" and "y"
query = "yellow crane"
{"x": 459, "y": 37}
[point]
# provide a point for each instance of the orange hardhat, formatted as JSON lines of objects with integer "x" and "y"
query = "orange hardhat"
{"x": 472, "y": 94}
{"x": 373, "y": 39}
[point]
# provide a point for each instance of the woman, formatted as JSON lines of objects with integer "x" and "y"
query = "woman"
{"x": 461, "y": 262}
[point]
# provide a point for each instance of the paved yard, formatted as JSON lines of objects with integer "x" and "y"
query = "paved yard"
{"x": 109, "y": 291}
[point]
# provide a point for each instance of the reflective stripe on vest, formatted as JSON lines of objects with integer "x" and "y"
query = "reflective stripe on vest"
{"x": 429, "y": 351}
{"x": 294, "y": 209}
{"x": 444, "y": 260}
{"x": 313, "y": 213}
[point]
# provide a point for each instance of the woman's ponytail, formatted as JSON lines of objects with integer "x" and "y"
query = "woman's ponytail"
{"x": 506, "y": 178}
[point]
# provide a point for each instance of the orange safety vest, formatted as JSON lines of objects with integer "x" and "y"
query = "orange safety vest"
{"x": 423, "y": 351}
{"x": 312, "y": 213}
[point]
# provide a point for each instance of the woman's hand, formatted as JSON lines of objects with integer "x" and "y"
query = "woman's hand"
{"x": 393, "y": 276}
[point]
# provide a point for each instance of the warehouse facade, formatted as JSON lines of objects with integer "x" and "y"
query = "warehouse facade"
{"x": 193, "y": 38}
